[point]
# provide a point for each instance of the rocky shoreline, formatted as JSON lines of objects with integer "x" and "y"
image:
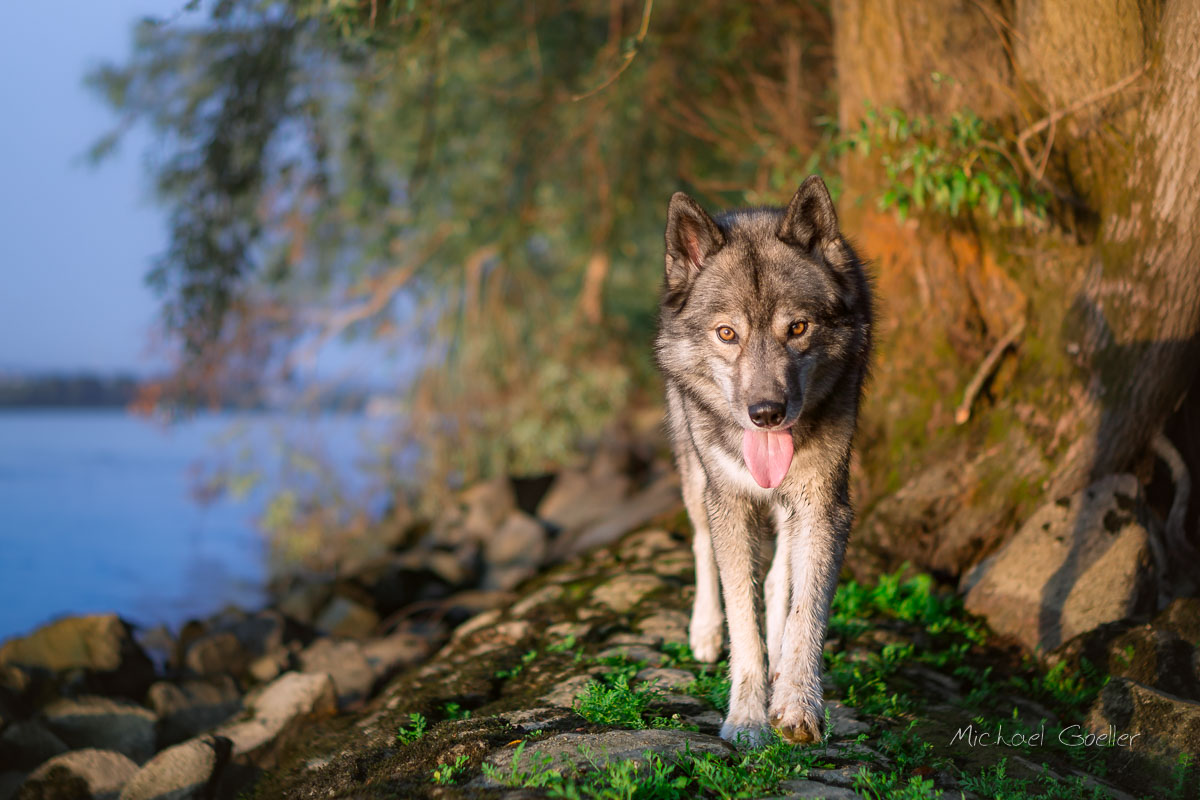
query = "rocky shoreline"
{"x": 533, "y": 638}
{"x": 92, "y": 699}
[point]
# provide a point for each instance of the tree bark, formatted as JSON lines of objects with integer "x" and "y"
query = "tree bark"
{"x": 1112, "y": 295}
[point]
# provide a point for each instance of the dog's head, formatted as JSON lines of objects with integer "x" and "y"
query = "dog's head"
{"x": 764, "y": 310}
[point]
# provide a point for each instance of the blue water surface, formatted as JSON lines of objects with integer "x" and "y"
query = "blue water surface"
{"x": 98, "y": 511}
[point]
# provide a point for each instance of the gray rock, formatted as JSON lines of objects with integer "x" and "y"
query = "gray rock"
{"x": 529, "y": 720}
{"x": 305, "y": 600}
{"x": 659, "y": 498}
{"x": 647, "y": 545}
{"x": 219, "y": 653}
{"x": 343, "y": 661}
{"x": 1076, "y": 564}
{"x": 626, "y": 638}
{"x": 480, "y": 511}
{"x": 260, "y": 633}
{"x": 192, "y": 707}
{"x": 98, "y": 773}
{"x": 101, "y": 646}
{"x": 292, "y": 697}
{"x": 1158, "y": 658}
{"x": 842, "y": 776}
{"x": 668, "y": 625}
{"x": 1162, "y": 725}
{"x": 514, "y": 552}
{"x": 546, "y": 595}
{"x": 577, "y": 499}
{"x": 10, "y": 782}
{"x": 802, "y": 790}
{"x": 27, "y": 743}
{"x": 624, "y": 592}
{"x": 665, "y": 678}
{"x": 1181, "y": 617}
{"x": 394, "y": 652}
{"x": 346, "y": 617}
{"x": 572, "y": 751}
{"x": 565, "y": 693}
{"x": 477, "y": 623}
{"x": 104, "y": 723}
{"x": 844, "y": 722}
{"x": 188, "y": 771}
{"x": 267, "y": 668}
{"x": 633, "y": 653}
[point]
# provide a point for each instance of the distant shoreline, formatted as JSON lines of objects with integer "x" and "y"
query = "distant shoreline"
{"x": 82, "y": 391}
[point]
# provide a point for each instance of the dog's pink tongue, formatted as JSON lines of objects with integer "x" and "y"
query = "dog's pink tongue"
{"x": 768, "y": 456}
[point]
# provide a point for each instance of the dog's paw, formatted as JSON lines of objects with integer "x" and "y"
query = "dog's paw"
{"x": 706, "y": 643}
{"x": 746, "y": 735}
{"x": 796, "y": 715}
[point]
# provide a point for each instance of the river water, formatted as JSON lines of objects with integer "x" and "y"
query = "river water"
{"x": 98, "y": 510}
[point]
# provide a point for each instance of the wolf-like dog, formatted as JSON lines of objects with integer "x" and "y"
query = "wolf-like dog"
{"x": 764, "y": 342}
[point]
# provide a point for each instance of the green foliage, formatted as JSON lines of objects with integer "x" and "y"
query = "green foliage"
{"x": 456, "y": 711}
{"x": 448, "y": 774}
{"x": 995, "y": 782}
{"x": 864, "y": 682}
{"x": 673, "y": 722}
{"x": 949, "y": 165}
{"x": 894, "y": 786}
{"x": 912, "y": 600}
{"x": 1181, "y": 774}
{"x": 414, "y": 730}
{"x": 536, "y": 775}
{"x": 612, "y": 701}
{"x": 1068, "y": 688}
{"x": 755, "y": 773}
{"x": 526, "y": 659}
{"x": 712, "y": 684}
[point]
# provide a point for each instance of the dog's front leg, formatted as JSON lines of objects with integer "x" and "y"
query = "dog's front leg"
{"x": 778, "y": 590}
{"x": 734, "y": 548}
{"x": 706, "y": 632}
{"x": 816, "y": 540}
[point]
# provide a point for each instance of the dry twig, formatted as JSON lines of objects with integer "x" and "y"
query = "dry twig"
{"x": 963, "y": 412}
{"x": 1052, "y": 120}
{"x": 629, "y": 56}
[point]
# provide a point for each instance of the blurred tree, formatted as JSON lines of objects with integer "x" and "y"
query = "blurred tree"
{"x": 1102, "y": 106}
{"x": 481, "y": 184}
{"x": 482, "y": 187}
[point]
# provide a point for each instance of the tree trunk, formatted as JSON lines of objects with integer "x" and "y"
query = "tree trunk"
{"x": 1111, "y": 294}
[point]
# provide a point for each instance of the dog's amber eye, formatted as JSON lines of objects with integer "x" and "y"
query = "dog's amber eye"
{"x": 798, "y": 328}
{"x": 726, "y": 334}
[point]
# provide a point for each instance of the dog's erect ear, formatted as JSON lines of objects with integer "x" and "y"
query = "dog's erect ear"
{"x": 692, "y": 236}
{"x": 810, "y": 221}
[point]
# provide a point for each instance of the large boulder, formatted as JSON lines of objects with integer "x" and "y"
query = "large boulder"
{"x": 1159, "y": 727}
{"x": 277, "y": 708}
{"x": 1077, "y": 563}
{"x": 104, "y": 723}
{"x": 217, "y": 653}
{"x": 188, "y": 771}
{"x": 577, "y": 498}
{"x": 514, "y": 552}
{"x": 100, "y": 649}
{"x": 660, "y": 497}
{"x": 345, "y": 663}
{"x": 191, "y": 707}
{"x": 345, "y": 616}
{"x": 25, "y": 744}
{"x": 90, "y": 773}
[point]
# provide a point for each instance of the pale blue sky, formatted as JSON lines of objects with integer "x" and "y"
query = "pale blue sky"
{"x": 75, "y": 241}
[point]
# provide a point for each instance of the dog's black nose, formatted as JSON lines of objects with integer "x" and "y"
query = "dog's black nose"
{"x": 767, "y": 414}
